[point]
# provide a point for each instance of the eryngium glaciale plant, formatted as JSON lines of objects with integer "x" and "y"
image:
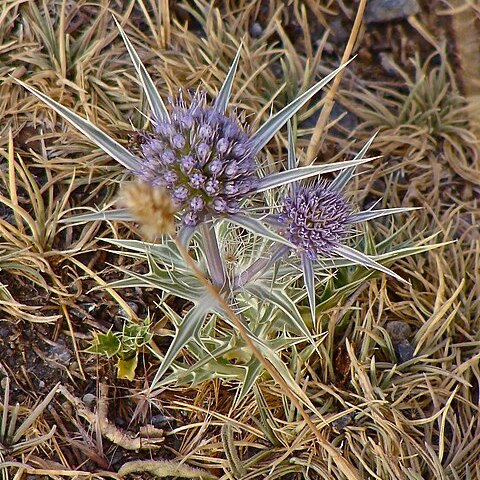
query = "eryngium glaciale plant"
{"x": 206, "y": 161}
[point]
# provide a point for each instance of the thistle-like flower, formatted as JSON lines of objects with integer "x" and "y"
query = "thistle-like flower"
{"x": 204, "y": 159}
{"x": 316, "y": 219}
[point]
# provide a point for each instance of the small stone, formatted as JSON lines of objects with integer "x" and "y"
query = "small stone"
{"x": 60, "y": 353}
{"x": 256, "y": 30}
{"x": 388, "y": 64}
{"x": 90, "y": 307}
{"x": 118, "y": 458}
{"x": 381, "y": 11}
{"x": 343, "y": 422}
{"x": 67, "y": 408}
{"x": 340, "y": 34}
{"x": 399, "y": 331}
{"x": 161, "y": 420}
{"x": 5, "y": 331}
{"x": 345, "y": 118}
{"x": 89, "y": 399}
{"x": 405, "y": 351}
{"x": 121, "y": 422}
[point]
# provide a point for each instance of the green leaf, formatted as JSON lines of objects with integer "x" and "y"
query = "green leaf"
{"x": 362, "y": 259}
{"x": 284, "y": 303}
{"x": 267, "y": 422}
{"x": 185, "y": 235}
{"x": 172, "y": 282}
{"x": 341, "y": 180}
{"x": 403, "y": 252}
{"x": 254, "y": 370}
{"x": 155, "y": 101}
{"x": 309, "y": 279}
{"x": 166, "y": 252}
{"x": 186, "y": 332}
{"x": 256, "y": 226}
{"x": 119, "y": 215}
{"x": 33, "y": 416}
{"x": 126, "y": 368}
{"x": 370, "y": 214}
{"x": 325, "y": 263}
{"x": 104, "y": 344}
{"x": 344, "y": 176}
{"x": 274, "y": 359}
{"x": 209, "y": 366}
{"x": 263, "y": 135}
{"x": 292, "y": 159}
{"x": 106, "y": 143}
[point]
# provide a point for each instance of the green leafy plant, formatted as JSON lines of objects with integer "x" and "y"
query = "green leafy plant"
{"x": 260, "y": 254}
{"x": 125, "y": 346}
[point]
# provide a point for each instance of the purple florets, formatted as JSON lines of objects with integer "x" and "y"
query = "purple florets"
{"x": 202, "y": 157}
{"x": 316, "y": 219}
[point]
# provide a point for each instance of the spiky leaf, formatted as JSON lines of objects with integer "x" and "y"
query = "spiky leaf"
{"x": 101, "y": 139}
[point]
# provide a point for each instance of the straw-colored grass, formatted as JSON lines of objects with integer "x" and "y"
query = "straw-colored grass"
{"x": 391, "y": 417}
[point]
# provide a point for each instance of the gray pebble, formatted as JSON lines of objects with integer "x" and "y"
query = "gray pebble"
{"x": 5, "y": 331}
{"x": 3, "y": 383}
{"x": 161, "y": 420}
{"x": 256, "y": 30}
{"x": 398, "y": 331}
{"x": 343, "y": 422}
{"x": 124, "y": 314}
{"x": 89, "y": 400}
{"x": 348, "y": 121}
{"x": 380, "y": 11}
{"x": 405, "y": 351}
{"x": 60, "y": 354}
{"x": 340, "y": 34}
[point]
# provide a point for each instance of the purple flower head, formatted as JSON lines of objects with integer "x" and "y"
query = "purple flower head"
{"x": 316, "y": 219}
{"x": 203, "y": 157}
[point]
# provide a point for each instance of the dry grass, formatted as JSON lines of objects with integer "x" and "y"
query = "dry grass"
{"x": 391, "y": 419}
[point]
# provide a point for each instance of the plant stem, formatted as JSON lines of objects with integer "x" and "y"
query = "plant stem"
{"x": 345, "y": 467}
{"x": 258, "y": 267}
{"x": 212, "y": 254}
